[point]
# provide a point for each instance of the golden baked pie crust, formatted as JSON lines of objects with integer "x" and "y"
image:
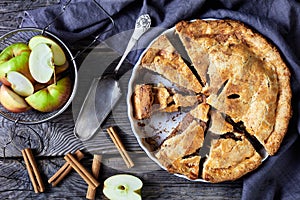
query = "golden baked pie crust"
{"x": 240, "y": 51}
{"x": 181, "y": 144}
{"x": 245, "y": 78}
{"x": 162, "y": 58}
{"x": 230, "y": 159}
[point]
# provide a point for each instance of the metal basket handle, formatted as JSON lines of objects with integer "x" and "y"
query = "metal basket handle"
{"x": 57, "y": 16}
{"x": 96, "y": 38}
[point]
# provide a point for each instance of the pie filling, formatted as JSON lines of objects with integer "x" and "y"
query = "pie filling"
{"x": 150, "y": 98}
{"x": 239, "y": 110}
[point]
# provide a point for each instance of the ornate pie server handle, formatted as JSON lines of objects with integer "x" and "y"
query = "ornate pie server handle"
{"x": 142, "y": 24}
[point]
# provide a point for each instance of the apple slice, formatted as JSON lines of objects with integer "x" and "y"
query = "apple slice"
{"x": 58, "y": 54}
{"x": 123, "y": 187}
{"x": 61, "y": 68}
{"x": 12, "y": 101}
{"x": 52, "y": 97}
{"x": 20, "y": 84}
{"x": 41, "y": 64}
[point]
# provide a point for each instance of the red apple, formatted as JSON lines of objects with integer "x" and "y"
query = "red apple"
{"x": 12, "y": 101}
{"x": 52, "y": 97}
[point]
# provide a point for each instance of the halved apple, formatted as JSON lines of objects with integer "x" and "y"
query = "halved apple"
{"x": 123, "y": 187}
{"x": 12, "y": 101}
{"x": 15, "y": 58}
{"x": 20, "y": 84}
{"x": 52, "y": 97}
{"x": 41, "y": 64}
{"x": 59, "y": 56}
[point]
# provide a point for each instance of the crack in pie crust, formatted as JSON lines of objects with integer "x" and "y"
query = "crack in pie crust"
{"x": 243, "y": 77}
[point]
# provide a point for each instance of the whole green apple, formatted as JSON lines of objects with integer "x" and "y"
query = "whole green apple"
{"x": 52, "y": 97}
{"x": 15, "y": 58}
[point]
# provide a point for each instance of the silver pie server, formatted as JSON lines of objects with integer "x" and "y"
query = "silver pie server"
{"x": 105, "y": 91}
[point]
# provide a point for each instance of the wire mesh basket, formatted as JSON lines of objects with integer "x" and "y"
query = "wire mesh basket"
{"x": 23, "y": 35}
{"x": 32, "y": 116}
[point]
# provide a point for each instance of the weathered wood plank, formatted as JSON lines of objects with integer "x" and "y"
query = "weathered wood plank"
{"x": 47, "y": 139}
{"x": 158, "y": 184}
{"x": 11, "y": 12}
{"x": 53, "y": 139}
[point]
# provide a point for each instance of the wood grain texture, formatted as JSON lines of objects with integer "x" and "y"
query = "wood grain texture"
{"x": 50, "y": 141}
{"x": 11, "y": 12}
{"x": 52, "y": 138}
{"x": 18, "y": 186}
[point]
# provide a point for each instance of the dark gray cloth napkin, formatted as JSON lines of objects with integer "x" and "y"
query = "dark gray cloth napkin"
{"x": 278, "y": 20}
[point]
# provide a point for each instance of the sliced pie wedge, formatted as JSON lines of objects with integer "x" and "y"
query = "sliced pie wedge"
{"x": 163, "y": 59}
{"x": 150, "y": 98}
{"x": 230, "y": 159}
{"x": 182, "y": 145}
{"x": 231, "y": 153}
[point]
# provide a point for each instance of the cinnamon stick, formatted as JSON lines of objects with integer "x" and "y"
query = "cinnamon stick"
{"x": 64, "y": 170}
{"x": 91, "y": 192}
{"x": 33, "y": 171}
{"x": 115, "y": 138}
{"x": 79, "y": 168}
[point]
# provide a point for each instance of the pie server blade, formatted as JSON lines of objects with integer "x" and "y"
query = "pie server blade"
{"x": 102, "y": 96}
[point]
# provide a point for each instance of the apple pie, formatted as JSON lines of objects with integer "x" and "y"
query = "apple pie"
{"x": 237, "y": 94}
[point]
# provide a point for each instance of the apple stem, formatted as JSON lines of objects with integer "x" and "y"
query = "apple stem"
{"x": 54, "y": 77}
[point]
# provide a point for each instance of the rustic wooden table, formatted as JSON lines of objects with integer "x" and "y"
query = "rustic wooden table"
{"x": 53, "y": 139}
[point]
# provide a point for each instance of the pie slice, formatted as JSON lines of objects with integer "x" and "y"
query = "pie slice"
{"x": 182, "y": 145}
{"x": 231, "y": 155}
{"x": 230, "y": 159}
{"x": 163, "y": 59}
{"x": 148, "y": 98}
